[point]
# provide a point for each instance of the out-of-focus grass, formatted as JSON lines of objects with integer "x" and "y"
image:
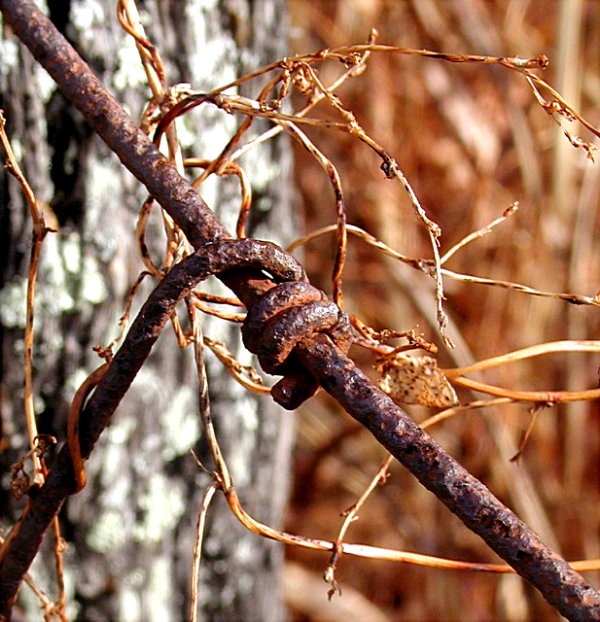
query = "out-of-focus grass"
{"x": 471, "y": 140}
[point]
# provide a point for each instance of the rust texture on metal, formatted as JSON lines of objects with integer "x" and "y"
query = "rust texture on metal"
{"x": 212, "y": 259}
{"x": 316, "y": 358}
{"x": 460, "y": 491}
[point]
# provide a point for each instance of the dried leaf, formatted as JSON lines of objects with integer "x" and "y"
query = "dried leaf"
{"x": 413, "y": 379}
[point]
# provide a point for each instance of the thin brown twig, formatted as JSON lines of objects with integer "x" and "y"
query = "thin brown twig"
{"x": 224, "y": 478}
{"x": 229, "y": 316}
{"x": 46, "y": 603}
{"x": 373, "y": 552}
{"x": 354, "y": 57}
{"x": 479, "y": 233}
{"x": 424, "y": 265}
{"x": 362, "y": 234}
{"x": 456, "y": 375}
{"x": 546, "y": 397}
{"x": 353, "y": 71}
{"x": 39, "y": 233}
{"x": 447, "y": 413}
{"x": 88, "y": 385}
{"x": 204, "y": 407}
{"x": 40, "y": 230}
{"x": 197, "y": 554}
{"x": 336, "y": 182}
{"x": 339, "y": 547}
{"x": 217, "y": 299}
{"x": 351, "y": 515}
{"x": 228, "y": 168}
{"x": 222, "y": 159}
{"x": 131, "y": 22}
{"x": 534, "y": 411}
{"x": 59, "y": 549}
{"x": 576, "y": 299}
{"x": 105, "y": 352}
{"x": 247, "y": 376}
{"x": 140, "y": 231}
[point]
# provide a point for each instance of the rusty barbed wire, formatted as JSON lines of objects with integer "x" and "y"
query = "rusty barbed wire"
{"x": 461, "y": 492}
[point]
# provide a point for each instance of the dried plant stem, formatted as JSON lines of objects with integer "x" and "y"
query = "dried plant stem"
{"x": 317, "y": 97}
{"x": 350, "y": 516}
{"x": 224, "y": 478}
{"x": 130, "y": 20}
{"x": 575, "y": 299}
{"x": 228, "y": 168}
{"x": 548, "y": 397}
{"x": 106, "y": 352}
{"x": 556, "y": 107}
{"x": 223, "y": 315}
{"x": 425, "y": 266}
{"x": 479, "y": 233}
{"x": 88, "y": 385}
{"x": 341, "y": 234}
{"x": 247, "y": 376}
{"x": 552, "y": 347}
{"x": 59, "y": 548}
{"x": 455, "y": 410}
{"x": 197, "y": 555}
{"x": 511, "y": 62}
{"x": 140, "y": 232}
{"x": 373, "y": 552}
{"x": 534, "y": 412}
{"x": 356, "y": 550}
{"x": 46, "y": 603}
{"x": 222, "y": 159}
{"x": 39, "y": 233}
{"x": 363, "y": 235}
{"x": 434, "y": 233}
{"x": 456, "y": 375}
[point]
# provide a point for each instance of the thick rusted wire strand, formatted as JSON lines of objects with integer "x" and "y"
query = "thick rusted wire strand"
{"x": 113, "y": 380}
{"x": 462, "y": 493}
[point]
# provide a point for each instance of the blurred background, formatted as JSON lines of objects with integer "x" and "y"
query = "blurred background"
{"x": 471, "y": 140}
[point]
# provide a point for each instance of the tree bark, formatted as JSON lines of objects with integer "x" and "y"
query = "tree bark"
{"x": 131, "y": 530}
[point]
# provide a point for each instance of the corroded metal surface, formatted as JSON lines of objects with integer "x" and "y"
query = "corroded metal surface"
{"x": 462, "y": 493}
{"x": 322, "y": 360}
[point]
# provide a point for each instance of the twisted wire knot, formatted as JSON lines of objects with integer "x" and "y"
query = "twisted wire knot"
{"x": 283, "y": 317}
{"x": 288, "y": 313}
{"x": 276, "y": 323}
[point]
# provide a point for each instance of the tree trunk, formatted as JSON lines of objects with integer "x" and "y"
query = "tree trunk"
{"x": 131, "y": 530}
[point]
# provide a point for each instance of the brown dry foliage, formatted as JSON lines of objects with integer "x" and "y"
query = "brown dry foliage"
{"x": 472, "y": 140}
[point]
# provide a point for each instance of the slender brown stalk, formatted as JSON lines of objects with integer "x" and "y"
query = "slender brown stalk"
{"x": 38, "y": 235}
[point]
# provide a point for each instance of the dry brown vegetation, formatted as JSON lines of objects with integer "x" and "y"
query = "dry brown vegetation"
{"x": 471, "y": 140}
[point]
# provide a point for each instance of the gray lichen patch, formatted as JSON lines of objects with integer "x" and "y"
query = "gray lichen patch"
{"x": 161, "y": 507}
{"x": 179, "y": 422}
